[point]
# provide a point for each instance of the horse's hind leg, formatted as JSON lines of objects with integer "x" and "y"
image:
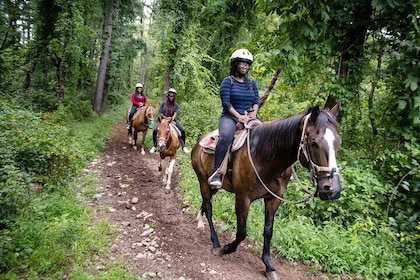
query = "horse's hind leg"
{"x": 135, "y": 139}
{"x": 143, "y": 136}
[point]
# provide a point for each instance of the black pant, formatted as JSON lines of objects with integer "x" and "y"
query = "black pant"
{"x": 227, "y": 128}
{"x": 133, "y": 109}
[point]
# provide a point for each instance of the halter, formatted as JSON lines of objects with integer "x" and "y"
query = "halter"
{"x": 314, "y": 168}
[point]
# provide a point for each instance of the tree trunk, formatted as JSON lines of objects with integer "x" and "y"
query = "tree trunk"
{"x": 270, "y": 86}
{"x": 103, "y": 64}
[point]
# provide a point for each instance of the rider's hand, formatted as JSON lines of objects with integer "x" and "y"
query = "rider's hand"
{"x": 244, "y": 119}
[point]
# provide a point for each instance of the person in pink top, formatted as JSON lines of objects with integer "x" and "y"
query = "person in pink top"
{"x": 139, "y": 99}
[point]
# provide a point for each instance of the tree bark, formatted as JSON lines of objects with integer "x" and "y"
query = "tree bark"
{"x": 99, "y": 100}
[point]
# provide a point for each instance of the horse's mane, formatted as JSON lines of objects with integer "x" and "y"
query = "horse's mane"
{"x": 277, "y": 133}
{"x": 283, "y": 133}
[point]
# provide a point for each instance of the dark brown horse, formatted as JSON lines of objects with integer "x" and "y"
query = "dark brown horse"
{"x": 262, "y": 169}
{"x": 167, "y": 143}
{"x": 141, "y": 121}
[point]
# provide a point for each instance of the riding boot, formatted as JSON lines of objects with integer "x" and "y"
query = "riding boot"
{"x": 215, "y": 180}
{"x": 129, "y": 124}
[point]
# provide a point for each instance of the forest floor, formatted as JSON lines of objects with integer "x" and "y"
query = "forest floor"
{"x": 157, "y": 235}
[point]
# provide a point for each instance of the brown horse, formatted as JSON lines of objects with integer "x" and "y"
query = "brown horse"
{"x": 167, "y": 143}
{"x": 141, "y": 121}
{"x": 262, "y": 169}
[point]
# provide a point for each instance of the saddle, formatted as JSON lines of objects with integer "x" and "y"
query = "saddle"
{"x": 209, "y": 141}
{"x": 173, "y": 126}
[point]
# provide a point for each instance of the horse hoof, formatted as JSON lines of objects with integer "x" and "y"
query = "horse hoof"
{"x": 167, "y": 191}
{"x": 218, "y": 251}
{"x": 272, "y": 275}
{"x": 143, "y": 152}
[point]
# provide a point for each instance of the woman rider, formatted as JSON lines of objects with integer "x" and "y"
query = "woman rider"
{"x": 240, "y": 102}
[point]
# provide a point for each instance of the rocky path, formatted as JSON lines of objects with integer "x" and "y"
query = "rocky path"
{"x": 157, "y": 235}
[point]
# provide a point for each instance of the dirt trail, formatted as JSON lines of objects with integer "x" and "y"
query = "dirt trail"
{"x": 157, "y": 235}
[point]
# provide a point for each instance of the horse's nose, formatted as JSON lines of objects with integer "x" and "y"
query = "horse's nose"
{"x": 160, "y": 147}
{"x": 330, "y": 190}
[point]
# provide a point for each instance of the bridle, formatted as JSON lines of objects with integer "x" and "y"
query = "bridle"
{"x": 313, "y": 168}
{"x": 168, "y": 134}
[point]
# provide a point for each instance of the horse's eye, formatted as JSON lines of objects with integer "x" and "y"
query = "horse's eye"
{"x": 314, "y": 143}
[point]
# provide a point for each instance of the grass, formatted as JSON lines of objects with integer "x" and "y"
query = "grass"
{"x": 328, "y": 247}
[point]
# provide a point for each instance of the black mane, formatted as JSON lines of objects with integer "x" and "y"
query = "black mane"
{"x": 267, "y": 137}
{"x": 270, "y": 136}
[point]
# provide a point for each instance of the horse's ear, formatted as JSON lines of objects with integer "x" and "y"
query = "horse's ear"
{"x": 336, "y": 109}
{"x": 314, "y": 113}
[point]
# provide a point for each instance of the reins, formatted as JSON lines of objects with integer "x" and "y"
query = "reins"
{"x": 310, "y": 194}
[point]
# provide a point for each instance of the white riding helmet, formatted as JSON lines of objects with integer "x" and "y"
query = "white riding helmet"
{"x": 172, "y": 90}
{"x": 139, "y": 85}
{"x": 242, "y": 55}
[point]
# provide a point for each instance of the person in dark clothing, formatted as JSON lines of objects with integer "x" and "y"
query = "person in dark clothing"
{"x": 138, "y": 99}
{"x": 240, "y": 102}
{"x": 170, "y": 109}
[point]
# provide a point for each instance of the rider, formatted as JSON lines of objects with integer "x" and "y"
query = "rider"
{"x": 238, "y": 94}
{"x": 170, "y": 109}
{"x": 139, "y": 99}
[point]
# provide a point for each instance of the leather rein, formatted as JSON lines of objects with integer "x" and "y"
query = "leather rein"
{"x": 313, "y": 167}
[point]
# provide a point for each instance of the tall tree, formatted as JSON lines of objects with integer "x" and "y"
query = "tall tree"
{"x": 100, "y": 97}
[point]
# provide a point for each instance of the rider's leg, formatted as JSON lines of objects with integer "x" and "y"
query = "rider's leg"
{"x": 182, "y": 140}
{"x": 227, "y": 127}
{"x": 130, "y": 116}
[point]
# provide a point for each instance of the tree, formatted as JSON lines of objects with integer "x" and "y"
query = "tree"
{"x": 103, "y": 64}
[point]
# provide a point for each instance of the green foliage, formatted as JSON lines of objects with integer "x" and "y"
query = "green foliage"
{"x": 46, "y": 229}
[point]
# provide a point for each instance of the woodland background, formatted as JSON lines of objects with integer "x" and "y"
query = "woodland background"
{"x": 67, "y": 69}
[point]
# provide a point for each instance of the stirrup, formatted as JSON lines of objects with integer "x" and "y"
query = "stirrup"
{"x": 215, "y": 180}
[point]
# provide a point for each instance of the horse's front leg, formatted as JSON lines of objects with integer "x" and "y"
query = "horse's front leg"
{"x": 242, "y": 204}
{"x": 168, "y": 173}
{"x": 271, "y": 206}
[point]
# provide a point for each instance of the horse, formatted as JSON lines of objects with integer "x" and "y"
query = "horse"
{"x": 262, "y": 168}
{"x": 142, "y": 119}
{"x": 167, "y": 143}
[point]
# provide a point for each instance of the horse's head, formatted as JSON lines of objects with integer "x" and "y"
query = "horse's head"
{"x": 318, "y": 150}
{"x": 150, "y": 113}
{"x": 163, "y": 133}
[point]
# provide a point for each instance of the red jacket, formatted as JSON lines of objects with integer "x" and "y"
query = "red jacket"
{"x": 138, "y": 99}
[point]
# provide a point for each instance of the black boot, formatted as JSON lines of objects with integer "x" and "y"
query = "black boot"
{"x": 215, "y": 180}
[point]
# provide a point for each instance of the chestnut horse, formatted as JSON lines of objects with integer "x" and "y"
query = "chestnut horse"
{"x": 142, "y": 119}
{"x": 262, "y": 169}
{"x": 167, "y": 143}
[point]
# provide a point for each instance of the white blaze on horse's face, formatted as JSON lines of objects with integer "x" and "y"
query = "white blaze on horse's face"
{"x": 330, "y": 138}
